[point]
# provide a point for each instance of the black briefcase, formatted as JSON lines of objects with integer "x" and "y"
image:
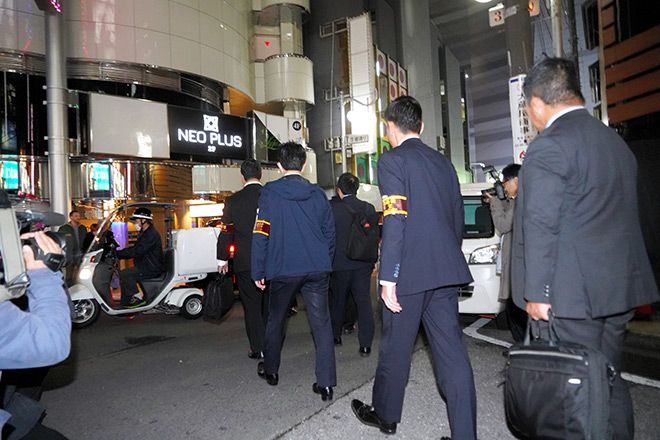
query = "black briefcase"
{"x": 556, "y": 390}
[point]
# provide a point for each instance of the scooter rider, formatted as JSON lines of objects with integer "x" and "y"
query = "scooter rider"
{"x": 148, "y": 257}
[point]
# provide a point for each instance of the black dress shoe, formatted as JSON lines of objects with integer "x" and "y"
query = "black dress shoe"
{"x": 255, "y": 354}
{"x": 271, "y": 379}
{"x": 325, "y": 392}
{"x": 365, "y": 351}
{"x": 338, "y": 340}
{"x": 367, "y": 415}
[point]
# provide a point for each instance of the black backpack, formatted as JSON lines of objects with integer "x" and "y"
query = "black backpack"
{"x": 218, "y": 297}
{"x": 363, "y": 237}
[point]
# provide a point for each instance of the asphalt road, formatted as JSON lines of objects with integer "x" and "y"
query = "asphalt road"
{"x": 162, "y": 377}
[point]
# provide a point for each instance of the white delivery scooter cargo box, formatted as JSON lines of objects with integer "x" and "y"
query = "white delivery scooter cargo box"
{"x": 195, "y": 250}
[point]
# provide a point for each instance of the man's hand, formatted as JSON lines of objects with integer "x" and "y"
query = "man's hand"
{"x": 388, "y": 295}
{"x": 538, "y": 311}
{"x": 261, "y": 284}
{"x": 223, "y": 268}
{"x": 47, "y": 246}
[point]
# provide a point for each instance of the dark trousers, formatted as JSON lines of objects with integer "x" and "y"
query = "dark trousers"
{"x": 438, "y": 311}
{"x": 255, "y": 305}
{"x": 128, "y": 279}
{"x": 605, "y": 335}
{"x": 358, "y": 283}
{"x": 314, "y": 289}
{"x": 516, "y": 319}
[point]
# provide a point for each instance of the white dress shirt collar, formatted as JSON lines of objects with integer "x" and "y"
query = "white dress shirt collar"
{"x": 561, "y": 113}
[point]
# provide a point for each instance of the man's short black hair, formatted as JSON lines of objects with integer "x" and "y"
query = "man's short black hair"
{"x": 250, "y": 169}
{"x": 406, "y": 113}
{"x": 510, "y": 171}
{"x": 348, "y": 183}
{"x": 73, "y": 211}
{"x": 292, "y": 156}
{"x": 554, "y": 81}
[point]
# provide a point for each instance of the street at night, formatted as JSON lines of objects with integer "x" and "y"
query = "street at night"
{"x": 163, "y": 377}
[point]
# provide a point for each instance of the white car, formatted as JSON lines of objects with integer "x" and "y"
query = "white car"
{"x": 481, "y": 246}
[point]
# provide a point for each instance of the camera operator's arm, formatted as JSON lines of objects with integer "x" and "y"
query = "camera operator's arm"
{"x": 502, "y": 213}
{"x": 41, "y": 336}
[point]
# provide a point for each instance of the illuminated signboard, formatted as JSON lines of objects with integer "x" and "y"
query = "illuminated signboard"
{"x": 9, "y": 175}
{"x": 99, "y": 180}
{"x": 49, "y": 5}
{"x": 207, "y": 136}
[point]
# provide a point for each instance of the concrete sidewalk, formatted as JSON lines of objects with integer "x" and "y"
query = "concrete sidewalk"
{"x": 424, "y": 412}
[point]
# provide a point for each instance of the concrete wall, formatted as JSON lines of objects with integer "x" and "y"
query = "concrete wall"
{"x": 419, "y": 56}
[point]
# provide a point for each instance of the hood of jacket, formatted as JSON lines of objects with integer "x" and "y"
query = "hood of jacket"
{"x": 293, "y": 187}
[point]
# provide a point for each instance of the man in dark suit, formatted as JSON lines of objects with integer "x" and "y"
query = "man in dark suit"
{"x": 292, "y": 246}
{"x": 238, "y": 219}
{"x": 75, "y": 233}
{"x": 421, "y": 266}
{"x": 351, "y": 277}
{"x": 577, "y": 243}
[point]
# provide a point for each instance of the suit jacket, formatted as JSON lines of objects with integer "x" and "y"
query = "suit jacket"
{"x": 295, "y": 233}
{"x": 74, "y": 242}
{"x": 343, "y": 219}
{"x": 577, "y": 241}
{"x": 423, "y": 220}
{"x": 502, "y": 214}
{"x": 238, "y": 219}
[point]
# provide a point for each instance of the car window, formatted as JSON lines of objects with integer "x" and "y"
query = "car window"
{"x": 478, "y": 222}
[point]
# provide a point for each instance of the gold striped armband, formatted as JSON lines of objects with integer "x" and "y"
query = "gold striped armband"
{"x": 395, "y": 204}
{"x": 262, "y": 227}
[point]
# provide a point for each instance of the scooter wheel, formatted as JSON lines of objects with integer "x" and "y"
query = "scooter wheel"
{"x": 192, "y": 307}
{"x": 85, "y": 312}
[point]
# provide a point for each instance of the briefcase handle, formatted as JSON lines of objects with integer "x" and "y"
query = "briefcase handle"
{"x": 535, "y": 330}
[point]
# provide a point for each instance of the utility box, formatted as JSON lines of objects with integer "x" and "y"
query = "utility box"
{"x": 195, "y": 250}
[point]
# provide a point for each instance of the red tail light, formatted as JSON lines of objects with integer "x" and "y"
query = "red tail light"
{"x": 232, "y": 248}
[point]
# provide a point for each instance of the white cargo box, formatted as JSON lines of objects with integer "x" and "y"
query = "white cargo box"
{"x": 195, "y": 250}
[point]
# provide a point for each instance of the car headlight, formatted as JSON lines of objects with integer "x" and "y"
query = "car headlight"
{"x": 485, "y": 255}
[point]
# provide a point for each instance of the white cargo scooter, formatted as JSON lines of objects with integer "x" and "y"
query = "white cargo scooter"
{"x": 189, "y": 258}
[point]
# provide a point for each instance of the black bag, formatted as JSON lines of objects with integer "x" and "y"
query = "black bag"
{"x": 557, "y": 390}
{"x": 218, "y": 297}
{"x": 363, "y": 238}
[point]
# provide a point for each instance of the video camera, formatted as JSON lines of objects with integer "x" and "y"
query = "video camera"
{"x": 13, "y": 220}
{"x": 498, "y": 187}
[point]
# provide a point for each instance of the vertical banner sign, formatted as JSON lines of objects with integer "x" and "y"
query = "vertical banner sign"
{"x": 207, "y": 135}
{"x": 522, "y": 131}
{"x": 362, "y": 81}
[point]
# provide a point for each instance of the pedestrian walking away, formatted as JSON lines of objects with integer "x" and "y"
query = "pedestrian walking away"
{"x": 420, "y": 269}
{"x": 238, "y": 219}
{"x": 351, "y": 278}
{"x": 577, "y": 241}
{"x": 292, "y": 247}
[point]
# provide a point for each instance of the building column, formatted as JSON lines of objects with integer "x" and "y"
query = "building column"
{"x": 57, "y": 105}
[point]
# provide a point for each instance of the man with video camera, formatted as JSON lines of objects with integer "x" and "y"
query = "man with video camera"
{"x": 501, "y": 210}
{"x": 38, "y": 337}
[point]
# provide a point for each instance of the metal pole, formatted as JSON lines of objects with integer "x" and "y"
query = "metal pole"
{"x": 343, "y": 132}
{"x": 56, "y": 92}
{"x": 557, "y": 39}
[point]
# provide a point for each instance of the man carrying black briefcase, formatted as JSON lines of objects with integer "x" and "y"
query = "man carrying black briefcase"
{"x": 555, "y": 389}
{"x": 577, "y": 243}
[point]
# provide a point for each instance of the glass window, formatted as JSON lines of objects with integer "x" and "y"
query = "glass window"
{"x": 478, "y": 222}
{"x": 590, "y": 19}
{"x": 594, "y": 82}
